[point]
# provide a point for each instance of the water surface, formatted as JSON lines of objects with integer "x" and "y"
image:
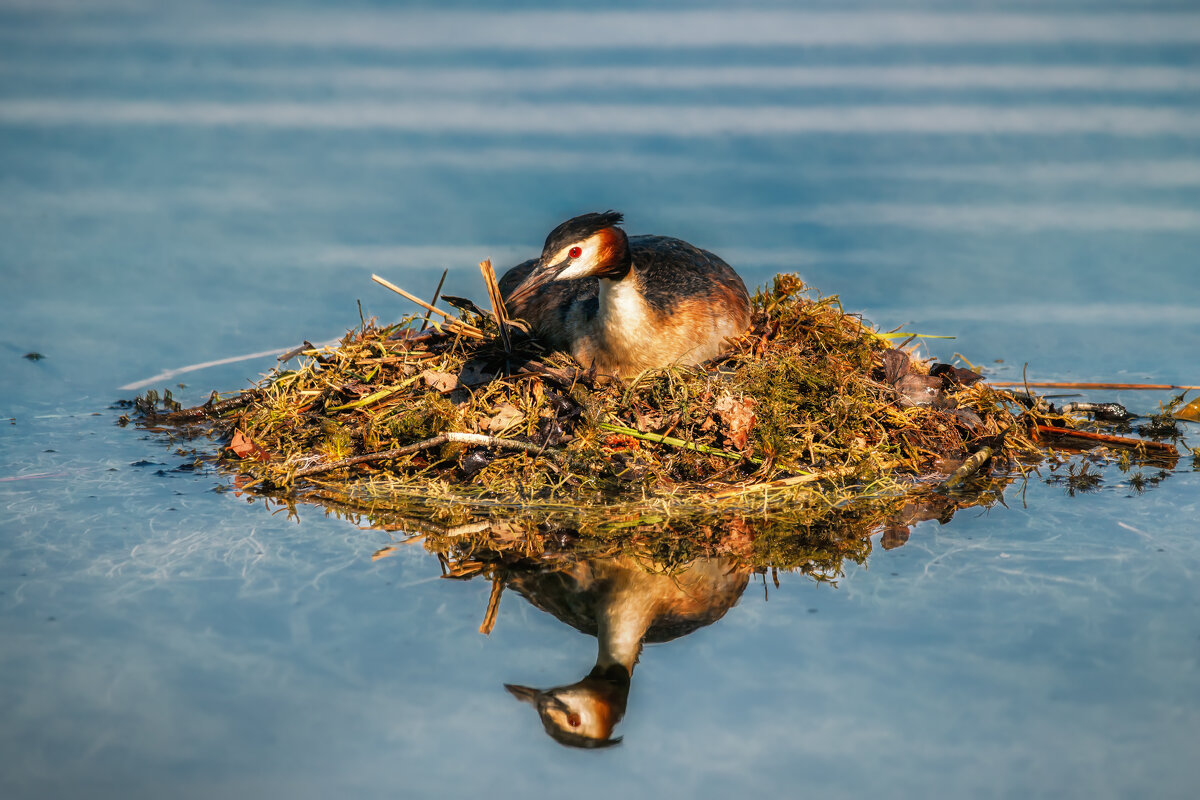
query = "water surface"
{"x": 184, "y": 183}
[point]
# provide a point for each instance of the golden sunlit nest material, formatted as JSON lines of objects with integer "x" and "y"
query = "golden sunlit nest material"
{"x": 810, "y": 408}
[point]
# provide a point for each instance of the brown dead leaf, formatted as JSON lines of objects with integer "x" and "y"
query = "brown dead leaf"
{"x": 474, "y": 372}
{"x": 655, "y": 421}
{"x": 244, "y": 447}
{"x": 1190, "y": 412}
{"x": 738, "y": 416}
{"x": 919, "y": 390}
{"x": 240, "y": 482}
{"x": 895, "y": 365}
{"x": 504, "y": 416}
{"x": 955, "y": 374}
{"x": 915, "y": 389}
{"x": 969, "y": 419}
{"x": 895, "y": 536}
{"x": 439, "y": 381}
{"x": 651, "y": 420}
{"x": 506, "y": 531}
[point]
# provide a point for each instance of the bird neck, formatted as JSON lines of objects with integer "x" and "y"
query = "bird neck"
{"x": 617, "y": 256}
{"x": 622, "y": 308}
{"x": 621, "y": 625}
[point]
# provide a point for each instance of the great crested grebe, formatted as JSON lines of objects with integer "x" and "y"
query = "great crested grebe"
{"x": 616, "y": 600}
{"x": 626, "y": 304}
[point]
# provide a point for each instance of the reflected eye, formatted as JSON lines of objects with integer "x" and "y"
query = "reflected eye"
{"x": 575, "y": 252}
{"x": 573, "y": 719}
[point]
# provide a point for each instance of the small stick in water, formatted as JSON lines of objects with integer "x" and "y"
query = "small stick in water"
{"x": 968, "y": 467}
{"x": 493, "y": 607}
{"x": 1090, "y": 439}
{"x": 1115, "y": 386}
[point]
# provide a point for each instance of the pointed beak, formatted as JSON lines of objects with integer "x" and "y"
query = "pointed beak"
{"x": 538, "y": 278}
{"x": 523, "y": 693}
{"x": 536, "y": 697}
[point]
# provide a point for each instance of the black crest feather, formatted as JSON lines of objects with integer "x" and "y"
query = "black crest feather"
{"x": 579, "y": 228}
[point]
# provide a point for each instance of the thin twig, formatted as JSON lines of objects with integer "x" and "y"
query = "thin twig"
{"x": 658, "y": 438}
{"x": 478, "y": 439}
{"x": 493, "y": 606}
{"x": 436, "y": 294}
{"x": 214, "y": 409}
{"x": 1112, "y": 386}
{"x": 389, "y": 285}
{"x": 455, "y": 325}
{"x": 295, "y": 351}
{"x": 563, "y": 377}
{"x": 782, "y": 483}
{"x": 1125, "y": 442}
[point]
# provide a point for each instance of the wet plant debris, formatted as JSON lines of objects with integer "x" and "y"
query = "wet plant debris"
{"x": 442, "y": 415}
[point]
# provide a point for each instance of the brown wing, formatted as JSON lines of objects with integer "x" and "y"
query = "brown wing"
{"x": 514, "y": 275}
{"x": 549, "y": 310}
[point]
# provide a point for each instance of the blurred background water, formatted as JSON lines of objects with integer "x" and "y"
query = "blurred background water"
{"x": 186, "y": 182}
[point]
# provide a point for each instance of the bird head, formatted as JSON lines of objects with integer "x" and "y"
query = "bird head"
{"x": 584, "y": 713}
{"x": 588, "y": 246}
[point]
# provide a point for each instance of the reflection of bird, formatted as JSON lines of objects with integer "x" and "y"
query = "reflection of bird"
{"x": 626, "y": 304}
{"x": 622, "y": 605}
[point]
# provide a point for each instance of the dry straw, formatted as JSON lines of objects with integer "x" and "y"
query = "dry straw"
{"x": 810, "y": 410}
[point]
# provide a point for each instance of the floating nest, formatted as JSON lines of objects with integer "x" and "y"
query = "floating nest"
{"x": 811, "y": 412}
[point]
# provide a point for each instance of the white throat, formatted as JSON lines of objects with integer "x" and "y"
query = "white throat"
{"x": 622, "y": 307}
{"x": 621, "y": 628}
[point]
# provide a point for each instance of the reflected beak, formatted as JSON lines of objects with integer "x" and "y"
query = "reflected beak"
{"x": 535, "y": 697}
{"x": 523, "y": 693}
{"x": 533, "y": 283}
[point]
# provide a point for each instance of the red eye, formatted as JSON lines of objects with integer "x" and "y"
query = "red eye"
{"x": 575, "y": 252}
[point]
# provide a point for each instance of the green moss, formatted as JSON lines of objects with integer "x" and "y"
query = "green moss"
{"x": 799, "y": 395}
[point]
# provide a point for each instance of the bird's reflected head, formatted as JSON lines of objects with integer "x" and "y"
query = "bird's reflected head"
{"x": 582, "y": 714}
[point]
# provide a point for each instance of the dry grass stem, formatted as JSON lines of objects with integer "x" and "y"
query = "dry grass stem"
{"x": 810, "y": 413}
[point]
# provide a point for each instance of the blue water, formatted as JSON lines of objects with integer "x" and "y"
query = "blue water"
{"x": 183, "y": 183}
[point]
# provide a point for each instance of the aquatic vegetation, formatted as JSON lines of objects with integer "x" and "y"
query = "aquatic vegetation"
{"x": 811, "y": 410}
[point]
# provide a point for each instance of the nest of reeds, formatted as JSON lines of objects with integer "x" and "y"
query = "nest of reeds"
{"x": 810, "y": 409}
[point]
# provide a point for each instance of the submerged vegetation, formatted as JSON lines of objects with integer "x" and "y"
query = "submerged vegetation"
{"x": 811, "y": 415}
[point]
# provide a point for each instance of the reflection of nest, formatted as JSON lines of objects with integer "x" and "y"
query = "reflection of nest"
{"x": 810, "y": 410}
{"x": 552, "y": 565}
